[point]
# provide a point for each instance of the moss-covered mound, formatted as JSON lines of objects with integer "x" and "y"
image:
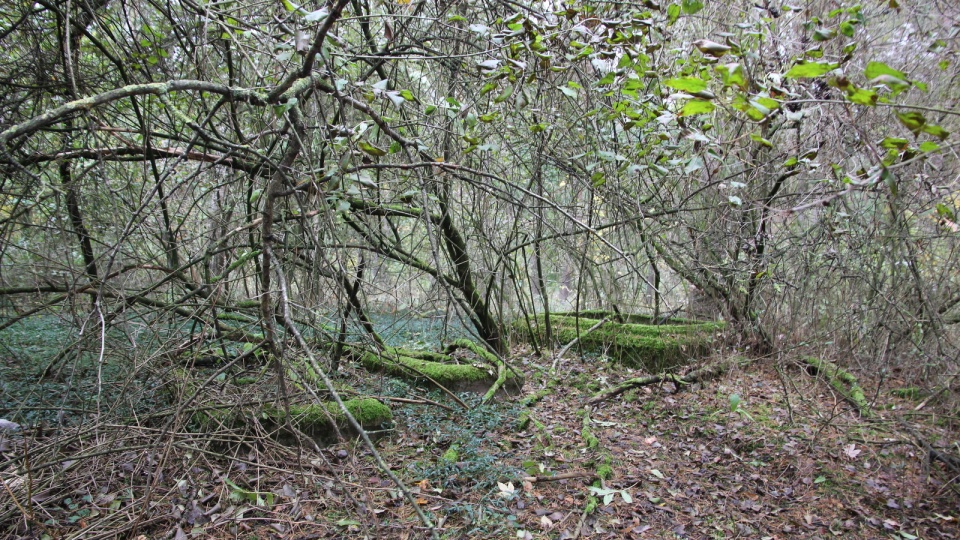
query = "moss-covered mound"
{"x": 442, "y": 369}
{"x": 636, "y": 342}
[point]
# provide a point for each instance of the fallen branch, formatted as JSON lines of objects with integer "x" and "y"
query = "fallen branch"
{"x": 574, "y": 342}
{"x": 937, "y": 392}
{"x": 562, "y": 476}
{"x": 421, "y": 401}
{"x": 489, "y": 358}
{"x": 698, "y": 375}
{"x": 933, "y": 454}
{"x": 497, "y": 384}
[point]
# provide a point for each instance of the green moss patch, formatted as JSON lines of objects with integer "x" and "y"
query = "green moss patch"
{"x": 636, "y": 343}
{"x": 442, "y": 369}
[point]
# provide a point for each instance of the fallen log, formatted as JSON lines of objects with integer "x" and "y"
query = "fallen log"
{"x": 705, "y": 373}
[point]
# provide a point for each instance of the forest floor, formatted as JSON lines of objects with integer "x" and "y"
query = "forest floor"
{"x": 794, "y": 460}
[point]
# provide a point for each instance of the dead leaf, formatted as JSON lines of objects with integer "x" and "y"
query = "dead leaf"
{"x": 851, "y": 451}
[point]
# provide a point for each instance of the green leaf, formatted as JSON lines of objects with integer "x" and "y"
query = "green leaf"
{"x": 913, "y": 120}
{"x": 936, "y": 131}
{"x": 691, "y": 7}
{"x": 894, "y": 143}
{"x": 687, "y": 84}
{"x": 569, "y": 92}
{"x": 711, "y": 48}
{"x": 791, "y": 162}
{"x": 537, "y": 128}
{"x": 371, "y": 149}
{"x": 847, "y": 29}
{"x": 673, "y": 13}
{"x": 861, "y": 96}
{"x": 430, "y": 109}
{"x": 317, "y": 15}
{"x": 875, "y": 69}
{"x": 824, "y": 34}
{"x": 626, "y": 496}
{"x": 407, "y": 95}
{"x": 750, "y": 108}
{"x": 764, "y": 104}
{"x": 945, "y": 212}
{"x": 890, "y": 180}
{"x": 734, "y": 401}
{"x": 697, "y": 106}
{"x": 810, "y": 70}
{"x": 820, "y": 479}
{"x": 732, "y": 75}
{"x": 505, "y": 95}
{"x": 929, "y": 146}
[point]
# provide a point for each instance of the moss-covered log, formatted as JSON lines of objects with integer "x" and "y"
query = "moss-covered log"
{"x": 321, "y": 421}
{"x": 842, "y": 381}
{"x": 637, "y": 342}
{"x": 441, "y": 369}
{"x": 315, "y": 420}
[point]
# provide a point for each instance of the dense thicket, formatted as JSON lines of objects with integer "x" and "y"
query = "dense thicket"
{"x": 790, "y": 169}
